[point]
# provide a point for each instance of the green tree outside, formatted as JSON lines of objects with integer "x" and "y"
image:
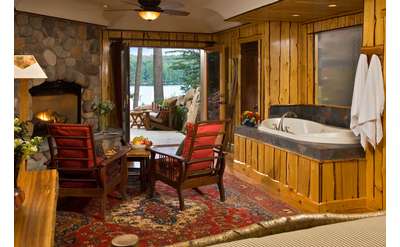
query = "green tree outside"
{"x": 180, "y": 67}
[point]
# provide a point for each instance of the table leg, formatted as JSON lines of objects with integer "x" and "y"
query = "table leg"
{"x": 132, "y": 122}
{"x": 141, "y": 175}
{"x": 150, "y": 175}
{"x": 135, "y": 122}
{"x": 124, "y": 182}
{"x": 141, "y": 120}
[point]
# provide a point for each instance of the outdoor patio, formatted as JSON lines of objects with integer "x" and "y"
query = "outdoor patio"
{"x": 158, "y": 137}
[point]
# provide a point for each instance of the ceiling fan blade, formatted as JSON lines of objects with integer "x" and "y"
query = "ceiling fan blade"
{"x": 130, "y": 3}
{"x": 115, "y": 10}
{"x": 175, "y": 12}
{"x": 171, "y": 5}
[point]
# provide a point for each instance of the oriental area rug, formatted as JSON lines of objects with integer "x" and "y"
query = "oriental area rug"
{"x": 158, "y": 221}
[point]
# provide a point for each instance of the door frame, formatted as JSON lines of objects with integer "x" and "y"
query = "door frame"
{"x": 260, "y": 96}
{"x": 125, "y": 87}
{"x": 204, "y": 83}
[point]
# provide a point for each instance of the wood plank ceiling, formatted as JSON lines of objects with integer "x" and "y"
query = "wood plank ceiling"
{"x": 300, "y": 10}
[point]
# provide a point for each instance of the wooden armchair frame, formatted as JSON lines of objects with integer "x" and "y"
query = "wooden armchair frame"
{"x": 104, "y": 175}
{"x": 176, "y": 171}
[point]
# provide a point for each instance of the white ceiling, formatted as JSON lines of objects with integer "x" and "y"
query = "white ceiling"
{"x": 206, "y": 16}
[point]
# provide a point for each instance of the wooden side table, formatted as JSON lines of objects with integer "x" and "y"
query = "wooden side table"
{"x": 137, "y": 118}
{"x": 141, "y": 156}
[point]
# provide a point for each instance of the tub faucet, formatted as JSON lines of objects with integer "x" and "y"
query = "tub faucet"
{"x": 287, "y": 114}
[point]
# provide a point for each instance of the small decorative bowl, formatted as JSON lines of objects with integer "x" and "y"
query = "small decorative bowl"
{"x": 138, "y": 146}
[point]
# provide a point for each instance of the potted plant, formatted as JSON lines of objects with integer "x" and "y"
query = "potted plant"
{"x": 102, "y": 109}
{"x": 24, "y": 146}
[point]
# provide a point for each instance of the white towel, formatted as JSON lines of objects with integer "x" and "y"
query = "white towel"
{"x": 372, "y": 105}
{"x": 359, "y": 83}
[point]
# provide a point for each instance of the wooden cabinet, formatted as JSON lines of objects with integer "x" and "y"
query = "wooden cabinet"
{"x": 34, "y": 222}
{"x": 304, "y": 182}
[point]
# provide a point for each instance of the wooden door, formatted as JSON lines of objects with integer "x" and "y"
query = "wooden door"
{"x": 213, "y": 83}
{"x": 249, "y": 76}
{"x": 119, "y": 53}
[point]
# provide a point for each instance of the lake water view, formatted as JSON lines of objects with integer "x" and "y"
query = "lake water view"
{"x": 146, "y": 93}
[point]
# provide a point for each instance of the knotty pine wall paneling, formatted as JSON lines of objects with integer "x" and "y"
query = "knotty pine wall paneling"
{"x": 279, "y": 60}
{"x": 287, "y": 57}
{"x": 374, "y": 35}
{"x": 301, "y": 89}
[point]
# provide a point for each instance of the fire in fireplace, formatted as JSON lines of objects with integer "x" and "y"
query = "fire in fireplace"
{"x": 45, "y": 116}
{"x": 55, "y": 101}
{"x": 50, "y": 116}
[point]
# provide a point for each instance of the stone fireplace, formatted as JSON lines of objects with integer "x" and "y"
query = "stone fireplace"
{"x": 55, "y": 101}
{"x": 67, "y": 51}
{"x": 61, "y": 97}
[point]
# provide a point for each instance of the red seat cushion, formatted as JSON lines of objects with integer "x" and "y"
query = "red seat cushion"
{"x": 84, "y": 175}
{"x": 200, "y": 141}
{"x": 58, "y": 131}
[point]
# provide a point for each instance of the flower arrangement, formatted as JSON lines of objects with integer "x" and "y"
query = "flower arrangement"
{"x": 102, "y": 109}
{"x": 250, "y": 118}
{"x": 24, "y": 144}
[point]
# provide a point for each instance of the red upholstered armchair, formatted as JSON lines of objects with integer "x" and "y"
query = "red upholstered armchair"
{"x": 81, "y": 172}
{"x": 200, "y": 163}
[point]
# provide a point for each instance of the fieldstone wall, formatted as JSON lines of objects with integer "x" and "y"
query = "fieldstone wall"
{"x": 66, "y": 50}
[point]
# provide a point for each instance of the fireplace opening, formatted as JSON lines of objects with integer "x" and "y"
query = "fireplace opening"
{"x": 55, "y": 101}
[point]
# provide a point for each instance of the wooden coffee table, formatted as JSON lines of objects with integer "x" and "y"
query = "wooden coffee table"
{"x": 143, "y": 157}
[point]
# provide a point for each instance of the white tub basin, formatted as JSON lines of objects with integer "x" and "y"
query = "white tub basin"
{"x": 309, "y": 131}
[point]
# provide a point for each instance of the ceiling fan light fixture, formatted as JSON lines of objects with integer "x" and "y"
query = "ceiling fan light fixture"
{"x": 149, "y": 15}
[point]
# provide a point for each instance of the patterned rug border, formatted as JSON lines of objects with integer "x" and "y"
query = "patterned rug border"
{"x": 158, "y": 221}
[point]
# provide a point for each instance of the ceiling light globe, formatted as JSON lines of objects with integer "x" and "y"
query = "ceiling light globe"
{"x": 149, "y": 15}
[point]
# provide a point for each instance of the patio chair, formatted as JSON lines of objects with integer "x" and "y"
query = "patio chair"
{"x": 200, "y": 163}
{"x": 81, "y": 172}
{"x": 162, "y": 116}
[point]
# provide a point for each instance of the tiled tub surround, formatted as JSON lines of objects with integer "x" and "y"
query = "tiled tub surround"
{"x": 311, "y": 176}
{"x": 315, "y": 151}
{"x": 330, "y": 115}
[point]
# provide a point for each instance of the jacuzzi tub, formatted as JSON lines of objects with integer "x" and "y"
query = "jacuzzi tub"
{"x": 309, "y": 131}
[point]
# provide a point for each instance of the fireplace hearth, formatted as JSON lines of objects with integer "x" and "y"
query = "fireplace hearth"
{"x": 55, "y": 101}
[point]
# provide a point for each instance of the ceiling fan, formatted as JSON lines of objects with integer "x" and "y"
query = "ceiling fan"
{"x": 150, "y": 10}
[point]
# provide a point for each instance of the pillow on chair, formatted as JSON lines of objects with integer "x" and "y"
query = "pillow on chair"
{"x": 170, "y": 102}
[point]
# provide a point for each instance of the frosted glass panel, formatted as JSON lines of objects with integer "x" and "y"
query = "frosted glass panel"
{"x": 337, "y": 57}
